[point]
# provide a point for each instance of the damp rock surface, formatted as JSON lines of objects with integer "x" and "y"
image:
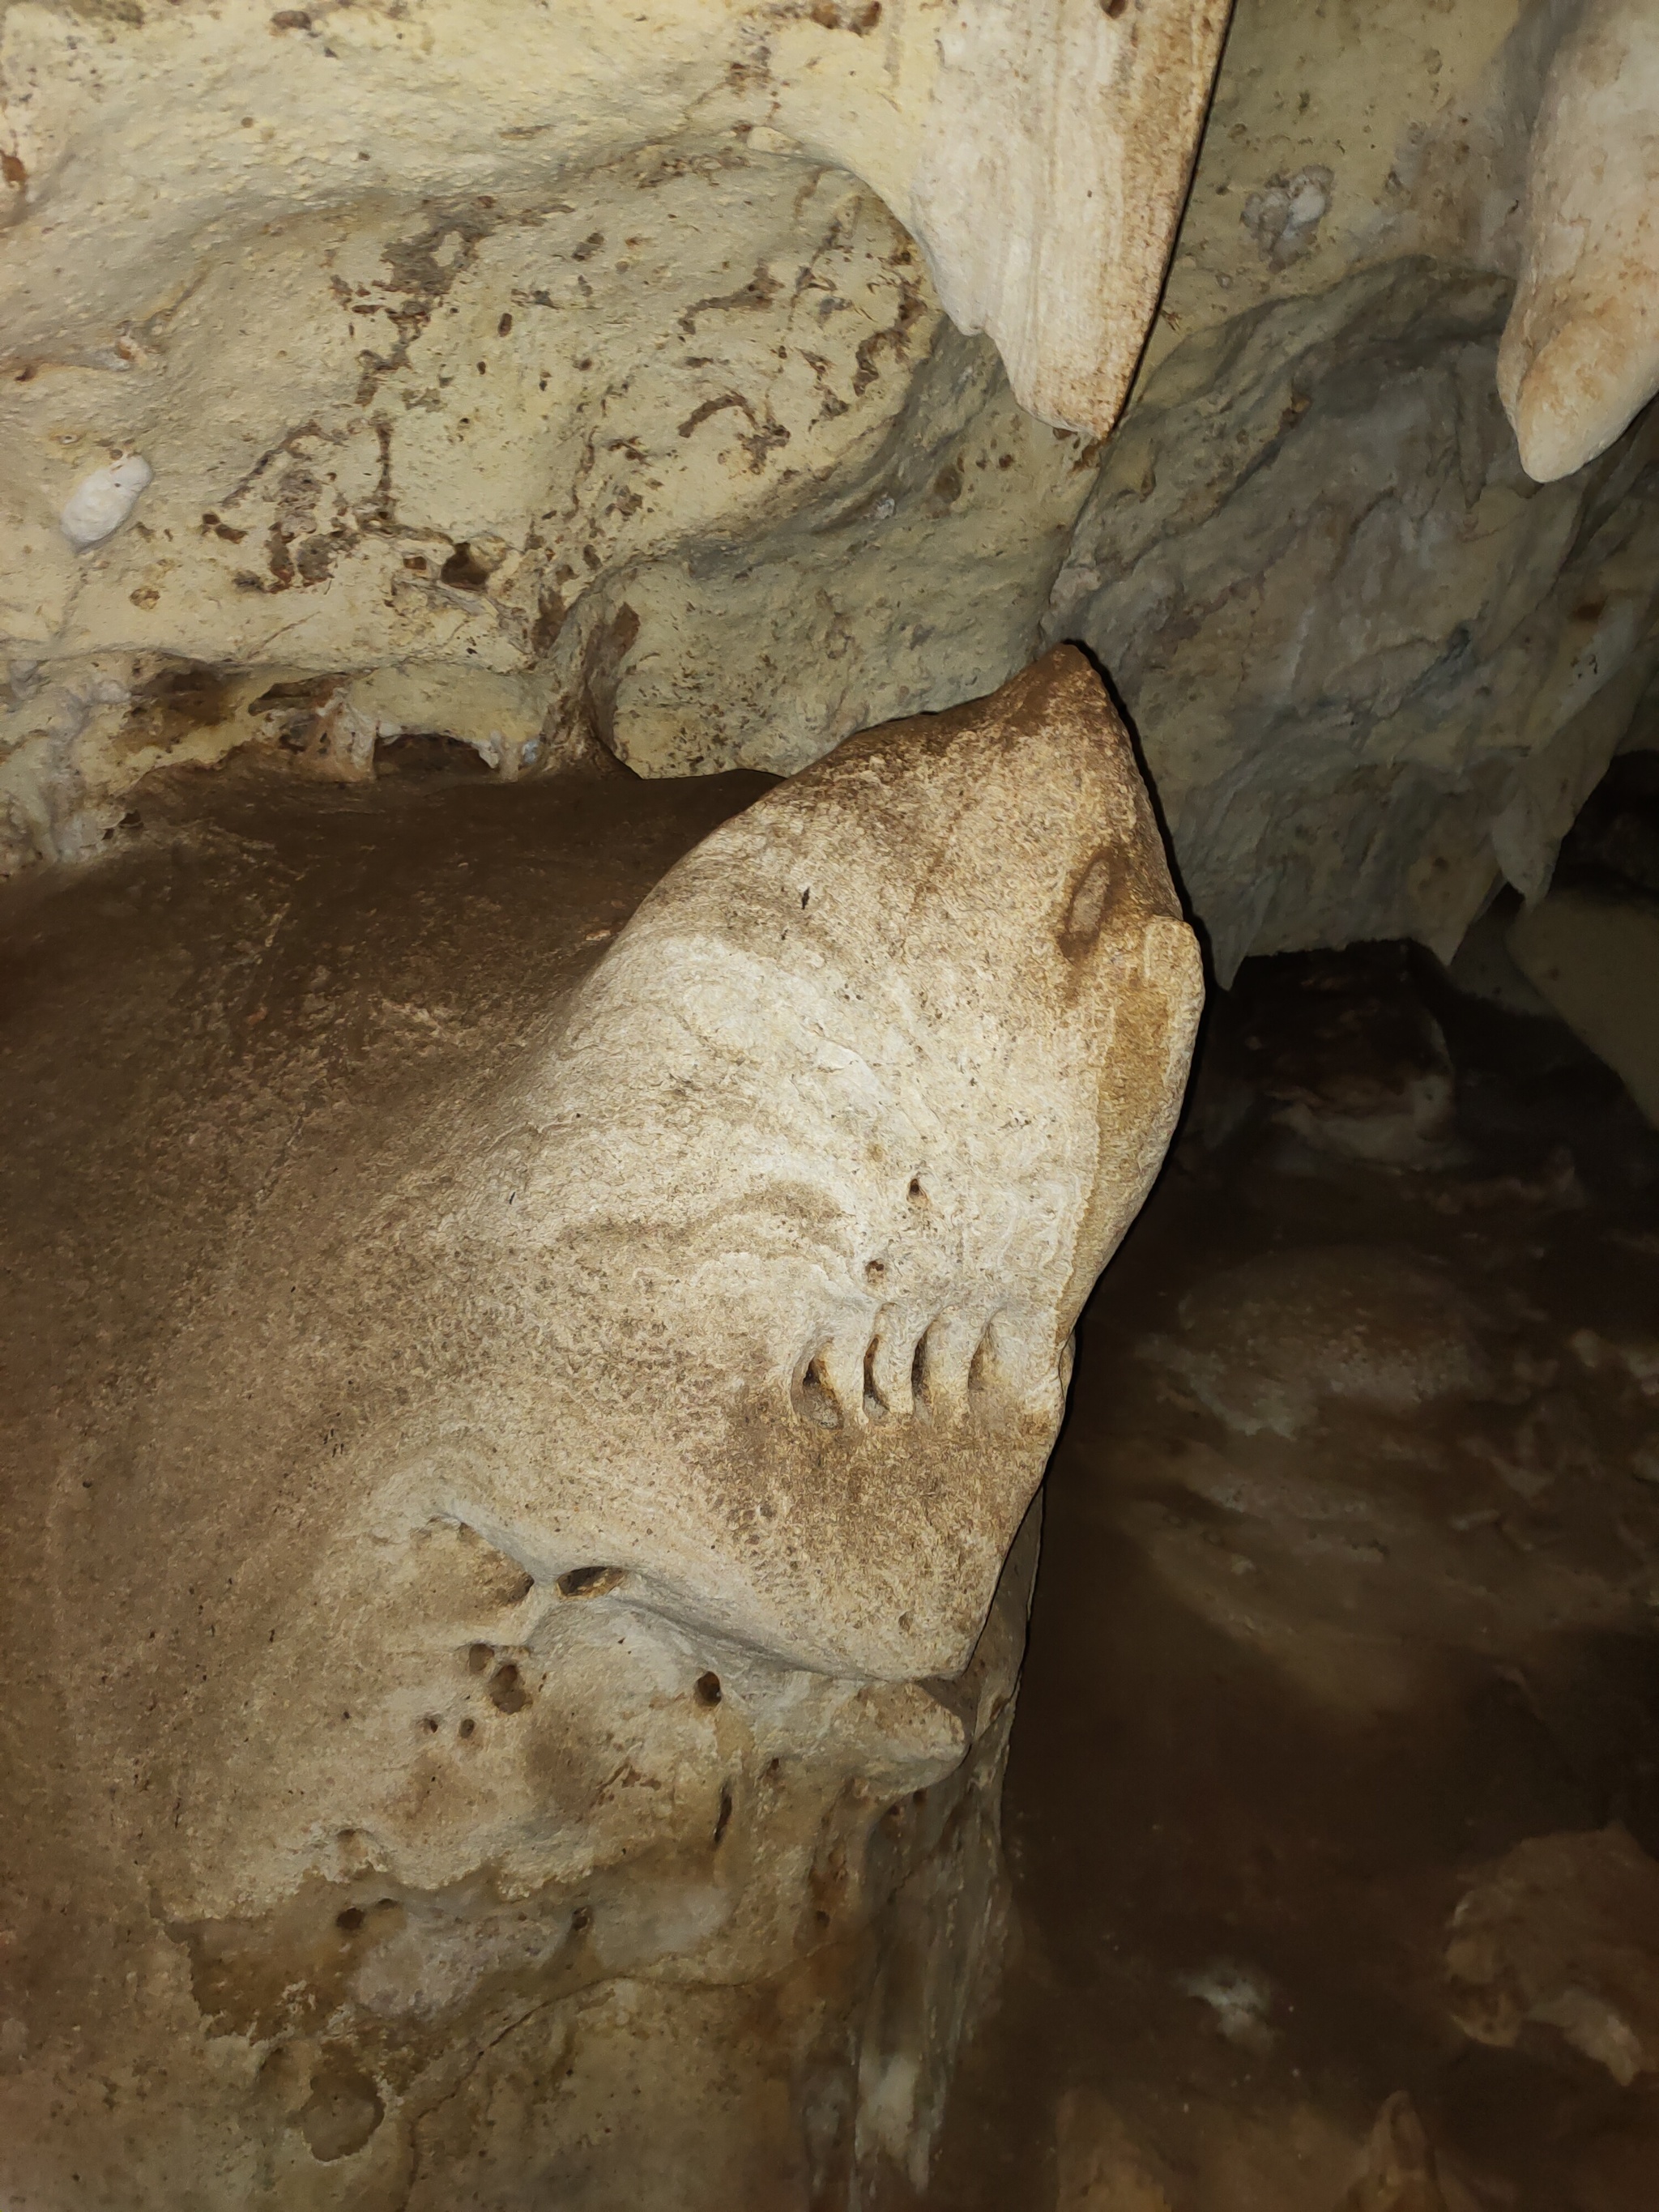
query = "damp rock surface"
{"x": 1334, "y": 1805}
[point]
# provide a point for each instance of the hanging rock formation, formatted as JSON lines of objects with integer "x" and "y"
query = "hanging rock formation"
{"x": 1376, "y": 670}
{"x": 1581, "y": 353}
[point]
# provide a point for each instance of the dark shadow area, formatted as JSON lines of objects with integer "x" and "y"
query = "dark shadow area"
{"x": 1349, "y": 1592}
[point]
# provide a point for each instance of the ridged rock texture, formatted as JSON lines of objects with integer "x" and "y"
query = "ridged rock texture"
{"x": 523, "y": 1444}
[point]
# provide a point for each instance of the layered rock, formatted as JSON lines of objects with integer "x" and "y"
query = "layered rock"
{"x": 497, "y": 381}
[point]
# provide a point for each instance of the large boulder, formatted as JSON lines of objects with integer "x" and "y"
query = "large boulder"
{"x": 519, "y": 1435}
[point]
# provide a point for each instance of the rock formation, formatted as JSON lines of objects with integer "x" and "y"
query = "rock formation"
{"x": 521, "y": 1491}
{"x": 518, "y": 1459}
{"x": 1581, "y": 353}
{"x": 529, "y": 374}
{"x": 505, "y": 377}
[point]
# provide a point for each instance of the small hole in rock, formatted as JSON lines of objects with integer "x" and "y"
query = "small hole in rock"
{"x": 581, "y": 1919}
{"x": 708, "y": 1690}
{"x": 466, "y": 570}
{"x": 479, "y": 1657}
{"x": 916, "y": 1195}
{"x": 432, "y": 1724}
{"x": 589, "y": 1581}
{"x": 919, "y": 1374}
{"x": 723, "y": 1819}
{"x": 814, "y": 1399}
{"x": 350, "y": 1920}
{"x": 429, "y": 752}
{"x": 506, "y": 1691}
{"x": 467, "y": 1727}
{"x": 875, "y": 1406}
{"x": 344, "y": 2109}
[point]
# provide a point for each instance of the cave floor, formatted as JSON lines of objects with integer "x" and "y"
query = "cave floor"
{"x": 1349, "y": 1587}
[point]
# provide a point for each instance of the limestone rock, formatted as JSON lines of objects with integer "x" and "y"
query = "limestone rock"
{"x": 1581, "y": 351}
{"x": 1056, "y": 169}
{"x": 1101, "y": 2166}
{"x": 1374, "y": 667}
{"x": 1484, "y": 967}
{"x": 1349, "y": 137}
{"x": 1564, "y": 1932}
{"x": 1596, "y": 959}
{"x": 1373, "y": 675}
{"x": 519, "y": 1434}
{"x": 531, "y": 375}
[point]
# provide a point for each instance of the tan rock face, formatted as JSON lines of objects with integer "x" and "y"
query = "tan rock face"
{"x": 1581, "y": 354}
{"x": 530, "y": 374}
{"x": 560, "y": 1430}
{"x": 1563, "y": 1932}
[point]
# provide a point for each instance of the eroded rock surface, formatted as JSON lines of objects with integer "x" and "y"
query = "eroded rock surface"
{"x": 528, "y": 375}
{"x": 1375, "y": 667}
{"x": 1375, "y": 671}
{"x": 519, "y": 1431}
{"x": 529, "y": 382}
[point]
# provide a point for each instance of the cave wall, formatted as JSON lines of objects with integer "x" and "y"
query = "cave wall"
{"x": 649, "y": 429}
{"x": 1375, "y": 667}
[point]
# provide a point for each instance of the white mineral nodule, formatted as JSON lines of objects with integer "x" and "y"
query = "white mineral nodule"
{"x": 101, "y": 502}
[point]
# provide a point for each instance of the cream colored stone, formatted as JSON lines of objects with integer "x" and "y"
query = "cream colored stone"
{"x": 1352, "y": 133}
{"x": 1581, "y": 354}
{"x": 1562, "y": 1931}
{"x": 101, "y": 502}
{"x": 561, "y": 1447}
{"x": 1062, "y": 139}
{"x": 562, "y": 349}
{"x": 1374, "y": 673}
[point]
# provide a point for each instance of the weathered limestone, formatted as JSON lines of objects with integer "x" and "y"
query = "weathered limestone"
{"x": 615, "y": 396}
{"x": 515, "y": 1458}
{"x": 1374, "y": 666}
{"x": 1581, "y": 353}
{"x": 1061, "y": 137}
{"x": 531, "y": 374}
{"x": 1375, "y": 674}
